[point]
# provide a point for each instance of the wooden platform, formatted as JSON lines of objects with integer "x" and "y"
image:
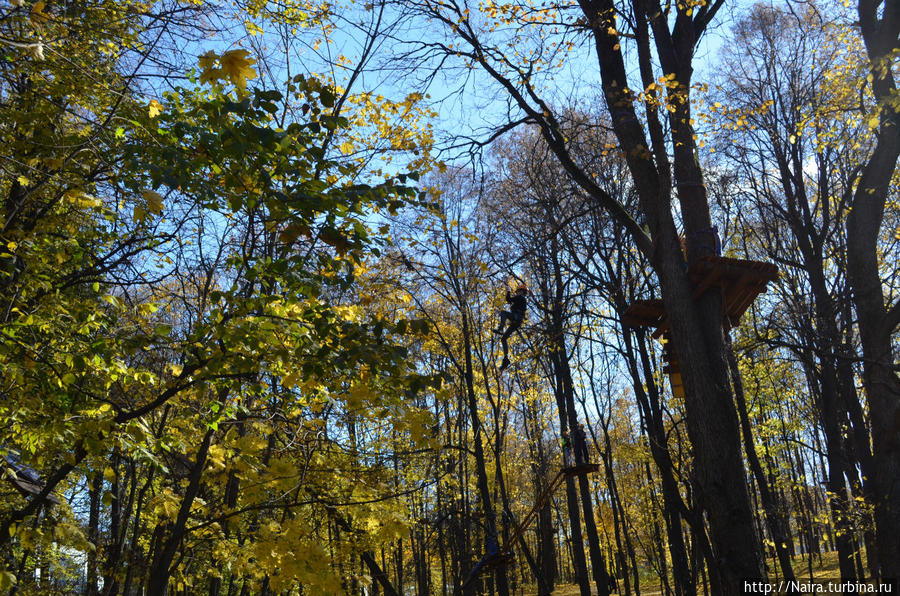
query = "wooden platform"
{"x": 488, "y": 563}
{"x": 740, "y": 281}
{"x": 580, "y": 469}
{"x": 498, "y": 560}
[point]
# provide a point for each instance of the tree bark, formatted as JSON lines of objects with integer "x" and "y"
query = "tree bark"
{"x": 775, "y": 519}
{"x": 160, "y": 569}
{"x": 96, "y": 490}
{"x": 649, "y": 402}
{"x": 481, "y": 468}
{"x": 880, "y": 26}
{"x": 696, "y": 325}
{"x": 568, "y": 418}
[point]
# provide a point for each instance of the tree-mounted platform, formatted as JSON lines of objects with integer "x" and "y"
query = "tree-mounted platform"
{"x": 501, "y": 559}
{"x": 739, "y": 280}
{"x": 580, "y": 469}
{"x": 488, "y": 562}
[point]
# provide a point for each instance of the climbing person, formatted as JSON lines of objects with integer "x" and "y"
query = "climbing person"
{"x": 515, "y": 316}
{"x": 491, "y": 557}
{"x": 567, "y": 449}
{"x": 581, "y": 450}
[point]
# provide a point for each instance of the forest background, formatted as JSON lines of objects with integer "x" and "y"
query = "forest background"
{"x": 247, "y": 289}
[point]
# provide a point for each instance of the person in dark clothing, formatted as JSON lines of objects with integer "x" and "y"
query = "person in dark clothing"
{"x": 581, "y": 450}
{"x": 515, "y": 316}
{"x": 492, "y": 556}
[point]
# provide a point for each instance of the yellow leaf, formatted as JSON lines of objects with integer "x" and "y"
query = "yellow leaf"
{"x": 208, "y": 71}
{"x": 253, "y": 28}
{"x": 207, "y": 60}
{"x": 237, "y": 67}
{"x": 154, "y": 201}
{"x": 155, "y": 108}
{"x": 81, "y": 199}
{"x": 38, "y": 16}
{"x": 289, "y": 380}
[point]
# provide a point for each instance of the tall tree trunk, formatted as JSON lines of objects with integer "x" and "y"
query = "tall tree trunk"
{"x": 545, "y": 570}
{"x": 775, "y": 518}
{"x": 118, "y": 521}
{"x": 821, "y": 380}
{"x": 696, "y": 325}
{"x": 484, "y": 492}
{"x": 880, "y": 26}
{"x": 578, "y": 559}
{"x": 566, "y": 404}
{"x": 649, "y": 403}
{"x": 621, "y": 567}
{"x": 160, "y": 569}
{"x": 96, "y": 489}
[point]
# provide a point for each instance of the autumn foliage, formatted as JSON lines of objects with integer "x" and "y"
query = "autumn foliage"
{"x": 251, "y": 258}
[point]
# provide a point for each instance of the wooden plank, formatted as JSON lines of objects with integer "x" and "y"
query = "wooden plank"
{"x": 709, "y": 279}
{"x": 581, "y": 469}
{"x": 644, "y": 313}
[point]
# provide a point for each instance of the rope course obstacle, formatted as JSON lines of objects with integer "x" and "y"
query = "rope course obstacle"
{"x": 739, "y": 281}
{"x": 497, "y": 557}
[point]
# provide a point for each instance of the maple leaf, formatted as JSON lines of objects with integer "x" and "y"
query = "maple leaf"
{"x": 154, "y": 201}
{"x": 208, "y": 71}
{"x": 237, "y": 67}
{"x": 208, "y": 60}
{"x": 155, "y": 108}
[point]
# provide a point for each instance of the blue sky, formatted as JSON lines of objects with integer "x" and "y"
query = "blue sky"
{"x": 467, "y": 101}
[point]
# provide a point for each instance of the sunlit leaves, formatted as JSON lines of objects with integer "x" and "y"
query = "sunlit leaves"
{"x": 234, "y": 65}
{"x": 183, "y": 276}
{"x": 154, "y": 108}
